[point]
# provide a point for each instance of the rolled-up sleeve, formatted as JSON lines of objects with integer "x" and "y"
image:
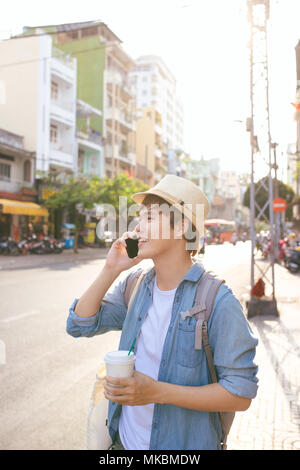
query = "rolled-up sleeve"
{"x": 234, "y": 347}
{"x": 110, "y": 316}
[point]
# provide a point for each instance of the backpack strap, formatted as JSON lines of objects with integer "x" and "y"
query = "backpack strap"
{"x": 204, "y": 300}
{"x": 132, "y": 287}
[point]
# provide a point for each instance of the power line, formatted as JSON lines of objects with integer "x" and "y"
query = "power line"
{"x": 51, "y": 57}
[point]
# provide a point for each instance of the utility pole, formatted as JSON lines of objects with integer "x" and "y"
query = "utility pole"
{"x": 261, "y": 155}
{"x": 278, "y": 214}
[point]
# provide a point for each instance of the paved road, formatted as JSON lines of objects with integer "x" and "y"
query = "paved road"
{"x": 46, "y": 382}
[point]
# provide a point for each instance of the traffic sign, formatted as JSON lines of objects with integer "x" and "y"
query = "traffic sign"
{"x": 279, "y": 205}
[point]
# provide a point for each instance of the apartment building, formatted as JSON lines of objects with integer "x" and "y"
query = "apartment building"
{"x": 151, "y": 152}
{"x": 39, "y": 109}
{"x": 156, "y": 86}
{"x": 89, "y": 141}
{"x": 17, "y": 195}
{"x": 119, "y": 126}
{"x": 41, "y": 106}
{"x": 102, "y": 83}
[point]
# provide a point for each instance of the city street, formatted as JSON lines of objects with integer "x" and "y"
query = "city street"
{"x": 47, "y": 380}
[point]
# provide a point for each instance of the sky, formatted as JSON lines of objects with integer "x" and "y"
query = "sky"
{"x": 204, "y": 44}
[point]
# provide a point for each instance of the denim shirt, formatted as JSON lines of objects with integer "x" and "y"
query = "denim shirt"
{"x": 231, "y": 339}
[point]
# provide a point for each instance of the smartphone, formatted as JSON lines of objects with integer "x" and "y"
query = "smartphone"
{"x": 132, "y": 247}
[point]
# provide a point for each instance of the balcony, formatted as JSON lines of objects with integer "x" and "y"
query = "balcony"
{"x": 124, "y": 119}
{"x": 158, "y": 152}
{"x": 158, "y": 129}
{"x": 89, "y": 138}
{"x": 119, "y": 153}
{"x": 112, "y": 76}
{"x": 62, "y": 154}
{"x": 63, "y": 112}
{"x": 63, "y": 66}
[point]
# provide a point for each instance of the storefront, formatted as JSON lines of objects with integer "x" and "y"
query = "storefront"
{"x": 5, "y": 225}
{"x": 16, "y": 217}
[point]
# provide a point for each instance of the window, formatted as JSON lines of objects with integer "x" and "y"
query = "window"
{"x": 27, "y": 171}
{"x": 54, "y": 90}
{"x": 5, "y": 171}
{"x": 85, "y": 32}
{"x": 53, "y": 134}
{"x": 109, "y": 138}
{"x": 72, "y": 35}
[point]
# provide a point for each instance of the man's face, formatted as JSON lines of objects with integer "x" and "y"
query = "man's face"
{"x": 154, "y": 227}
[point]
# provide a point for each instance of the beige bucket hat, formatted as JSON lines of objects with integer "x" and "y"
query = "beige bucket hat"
{"x": 183, "y": 194}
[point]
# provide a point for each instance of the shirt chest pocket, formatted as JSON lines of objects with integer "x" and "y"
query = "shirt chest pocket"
{"x": 186, "y": 354}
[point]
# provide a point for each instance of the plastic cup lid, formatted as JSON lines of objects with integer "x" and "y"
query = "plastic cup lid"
{"x": 119, "y": 357}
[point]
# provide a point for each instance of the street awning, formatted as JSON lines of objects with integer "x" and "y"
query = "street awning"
{"x": 11, "y": 206}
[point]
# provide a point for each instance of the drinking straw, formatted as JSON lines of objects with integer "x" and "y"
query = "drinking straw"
{"x": 132, "y": 346}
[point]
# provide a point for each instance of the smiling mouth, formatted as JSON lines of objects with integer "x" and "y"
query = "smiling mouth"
{"x": 142, "y": 241}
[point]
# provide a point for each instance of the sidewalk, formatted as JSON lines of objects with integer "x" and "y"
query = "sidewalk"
{"x": 273, "y": 420}
{"x": 30, "y": 261}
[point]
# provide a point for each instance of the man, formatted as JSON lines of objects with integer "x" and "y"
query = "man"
{"x": 169, "y": 403}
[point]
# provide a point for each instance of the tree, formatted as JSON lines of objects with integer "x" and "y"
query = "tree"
{"x": 68, "y": 196}
{"x": 261, "y": 196}
{"x": 108, "y": 191}
{"x": 83, "y": 192}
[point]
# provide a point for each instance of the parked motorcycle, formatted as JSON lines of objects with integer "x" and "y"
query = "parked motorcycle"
{"x": 23, "y": 246}
{"x": 46, "y": 245}
{"x": 8, "y": 246}
{"x": 53, "y": 246}
{"x": 292, "y": 259}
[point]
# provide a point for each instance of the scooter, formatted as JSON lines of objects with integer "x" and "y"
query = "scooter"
{"x": 51, "y": 245}
{"x": 8, "y": 246}
{"x": 33, "y": 244}
{"x": 292, "y": 260}
{"x": 47, "y": 245}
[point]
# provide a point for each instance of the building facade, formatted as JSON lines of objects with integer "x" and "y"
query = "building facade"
{"x": 151, "y": 152}
{"x": 39, "y": 106}
{"x": 44, "y": 101}
{"x": 18, "y": 204}
{"x": 156, "y": 86}
{"x": 102, "y": 83}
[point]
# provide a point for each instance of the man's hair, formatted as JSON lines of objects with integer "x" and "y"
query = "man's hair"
{"x": 154, "y": 199}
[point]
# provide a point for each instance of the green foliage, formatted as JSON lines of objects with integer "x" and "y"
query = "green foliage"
{"x": 261, "y": 196}
{"x": 87, "y": 191}
{"x": 108, "y": 190}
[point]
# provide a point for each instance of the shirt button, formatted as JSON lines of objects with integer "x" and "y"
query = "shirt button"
{"x": 139, "y": 318}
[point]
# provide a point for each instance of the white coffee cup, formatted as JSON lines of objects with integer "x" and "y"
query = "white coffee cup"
{"x": 119, "y": 364}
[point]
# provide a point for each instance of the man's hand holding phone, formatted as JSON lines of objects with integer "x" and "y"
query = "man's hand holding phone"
{"x": 122, "y": 255}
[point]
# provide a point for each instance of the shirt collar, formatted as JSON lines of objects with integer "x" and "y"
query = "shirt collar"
{"x": 193, "y": 274}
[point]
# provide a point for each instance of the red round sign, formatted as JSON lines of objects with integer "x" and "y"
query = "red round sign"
{"x": 279, "y": 205}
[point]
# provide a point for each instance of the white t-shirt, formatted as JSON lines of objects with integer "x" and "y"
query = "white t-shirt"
{"x": 136, "y": 421}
